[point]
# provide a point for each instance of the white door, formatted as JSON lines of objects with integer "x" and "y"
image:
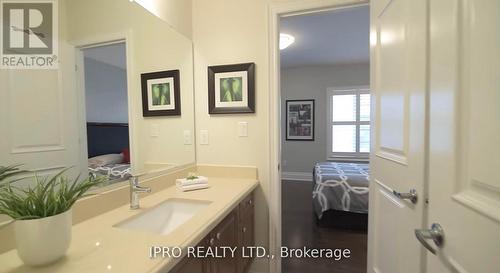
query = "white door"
{"x": 464, "y": 184}
{"x": 398, "y": 84}
{"x": 38, "y": 118}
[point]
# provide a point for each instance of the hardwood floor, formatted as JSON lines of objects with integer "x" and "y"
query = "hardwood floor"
{"x": 300, "y": 229}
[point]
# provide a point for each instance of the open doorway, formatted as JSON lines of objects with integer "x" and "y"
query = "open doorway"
{"x": 325, "y": 102}
{"x": 106, "y": 116}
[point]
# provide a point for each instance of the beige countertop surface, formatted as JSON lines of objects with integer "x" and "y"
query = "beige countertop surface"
{"x": 97, "y": 246}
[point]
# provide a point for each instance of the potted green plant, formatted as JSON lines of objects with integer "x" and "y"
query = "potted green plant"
{"x": 41, "y": 213}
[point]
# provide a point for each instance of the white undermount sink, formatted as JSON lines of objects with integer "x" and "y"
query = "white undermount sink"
{"x": 164, "y": 217}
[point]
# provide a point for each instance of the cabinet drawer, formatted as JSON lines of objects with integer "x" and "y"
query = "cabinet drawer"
{"x": 189, "y": 265}
{"x": 246, "y": 229}
{"x": 247, "y": 205}
{"x": 225, "y": 235}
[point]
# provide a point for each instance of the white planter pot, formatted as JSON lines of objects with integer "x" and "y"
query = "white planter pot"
{"x": 42, "y": 241}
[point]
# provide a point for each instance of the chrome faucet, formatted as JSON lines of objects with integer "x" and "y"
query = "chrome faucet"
{"x": 135, "y": 189}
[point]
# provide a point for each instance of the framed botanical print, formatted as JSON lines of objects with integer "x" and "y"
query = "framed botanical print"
{"x": 161, "y": 93}
{"x": 231, "y": 89}
{"x": 300, "y": 120}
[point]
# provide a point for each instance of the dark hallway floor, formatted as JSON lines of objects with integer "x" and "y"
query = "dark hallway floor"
{"x": 300, "y": 229}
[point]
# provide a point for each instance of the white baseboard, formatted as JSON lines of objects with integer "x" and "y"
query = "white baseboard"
{"x": 297, "y": 176}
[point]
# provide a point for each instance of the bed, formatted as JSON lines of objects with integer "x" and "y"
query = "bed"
{"x": 115, "y": 172}
{"x": 340, "y": 194}
{"x": 108, "y": 145}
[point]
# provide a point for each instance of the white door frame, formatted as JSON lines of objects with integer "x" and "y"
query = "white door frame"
{"x": 103, "y": 40}
{"x": 277, "y": 10}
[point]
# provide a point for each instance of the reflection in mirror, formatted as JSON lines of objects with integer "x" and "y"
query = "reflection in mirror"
{"x": 106, "y": 111}
{"x": 91, "y": 117}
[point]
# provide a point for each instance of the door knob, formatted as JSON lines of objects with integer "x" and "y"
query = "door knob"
{"x": 435, "y": 234}
{"x": 412, "y": 195}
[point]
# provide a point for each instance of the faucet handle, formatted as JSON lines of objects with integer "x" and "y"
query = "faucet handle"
{"x": 134, "y": 180}
{"x": 143, "y": 189}
{"x": 134, "y": 185}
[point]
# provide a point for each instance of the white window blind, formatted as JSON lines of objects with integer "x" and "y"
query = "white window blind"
{"x": 348, "y": 123}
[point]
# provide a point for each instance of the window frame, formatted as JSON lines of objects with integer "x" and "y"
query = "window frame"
{"x": 349, "y": 90}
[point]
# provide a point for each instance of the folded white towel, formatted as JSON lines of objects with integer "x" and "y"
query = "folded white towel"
{"x": 192, "y": 187}
{"x": 201, "y": 180}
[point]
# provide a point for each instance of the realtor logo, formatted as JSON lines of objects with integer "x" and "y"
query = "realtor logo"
{"x": 29, "y": 34}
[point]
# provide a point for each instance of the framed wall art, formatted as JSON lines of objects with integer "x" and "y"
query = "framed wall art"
{"x": 161, "y": 93}
{"x": 300, "y": 120}
{"x": 231, "y": 89}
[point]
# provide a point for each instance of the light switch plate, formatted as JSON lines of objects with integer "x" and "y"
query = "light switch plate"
{"x": 187, "y": 137}
{"x": 204, "y": 137}
{"x": 154, "y": 130}
{"x": 242, "y": 129}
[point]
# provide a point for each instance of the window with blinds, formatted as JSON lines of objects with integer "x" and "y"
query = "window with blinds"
{"x": 348, "y": 123}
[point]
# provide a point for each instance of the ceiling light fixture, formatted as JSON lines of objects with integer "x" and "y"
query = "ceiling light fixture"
{"x": 286, "y": 40}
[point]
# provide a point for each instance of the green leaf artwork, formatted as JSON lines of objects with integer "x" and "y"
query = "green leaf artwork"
{"x": 160, "y": 93}
{"x": 231, "y": 89}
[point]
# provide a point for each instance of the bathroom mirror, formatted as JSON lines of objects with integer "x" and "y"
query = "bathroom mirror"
{"x": 91, "y": 111}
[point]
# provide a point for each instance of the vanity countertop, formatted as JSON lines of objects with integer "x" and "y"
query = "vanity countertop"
{"x": 97, "y": 246}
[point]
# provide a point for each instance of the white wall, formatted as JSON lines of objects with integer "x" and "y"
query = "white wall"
{"x": 105, "y": 92}
{"x": 177, "y": 13}
{"x": 312, "y": 83}
{"x": 228, "y": 32}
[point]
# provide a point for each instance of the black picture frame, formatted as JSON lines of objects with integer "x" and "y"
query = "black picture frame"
{"x": 298, "y": 119}
{"x": 214, "y": 106}
{"x": 173, "y": 76}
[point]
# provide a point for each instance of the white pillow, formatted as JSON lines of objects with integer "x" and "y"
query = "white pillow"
{"x": 102, "y": 160}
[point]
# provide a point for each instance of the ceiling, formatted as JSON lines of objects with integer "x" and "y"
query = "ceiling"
{"x": 113, "y": 54}
{"x": 327, "y": 38}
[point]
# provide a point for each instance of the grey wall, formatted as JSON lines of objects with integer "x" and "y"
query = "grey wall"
{"x": 105, "y": 92}
{"x": 312, "y": 83}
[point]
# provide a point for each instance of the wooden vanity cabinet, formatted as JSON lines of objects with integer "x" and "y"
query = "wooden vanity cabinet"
{"x": 235, "y": 230}
{"x": 225, "y": 234}
{"x": 246, "y": 230}
{"x": 190, "y": 265}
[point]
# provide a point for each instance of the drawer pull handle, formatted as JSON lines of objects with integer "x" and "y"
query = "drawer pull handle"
{"x": 244, "y": 229}
{"x": 218, "y": 235}
{"x": 212, "y": 241}
{"x": 250, "y": 201}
